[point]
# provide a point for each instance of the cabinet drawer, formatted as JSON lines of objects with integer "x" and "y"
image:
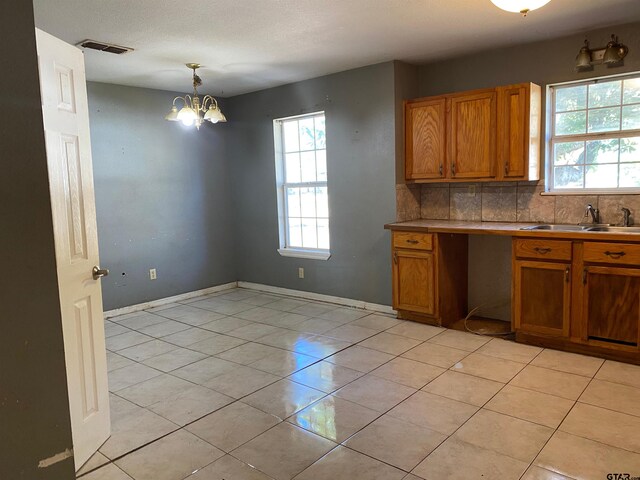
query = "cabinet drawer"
{"x": 542, "y": 249}
{"x": 418, "y": 241}
{"x": 612, "y": 253}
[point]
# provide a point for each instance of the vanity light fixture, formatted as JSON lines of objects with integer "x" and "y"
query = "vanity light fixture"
{"x": 521, "y": 6}
{"x": 194, "y": 111}
{"x": 610, "y": 55}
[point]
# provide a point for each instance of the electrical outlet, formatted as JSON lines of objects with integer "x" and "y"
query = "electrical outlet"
{"x": 300, "y": 272}
{"x": 153, "y": 274}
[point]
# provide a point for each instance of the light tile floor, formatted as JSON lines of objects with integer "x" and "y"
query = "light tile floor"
{"x": 241, "y": 385}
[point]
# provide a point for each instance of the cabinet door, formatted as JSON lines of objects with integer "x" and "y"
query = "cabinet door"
{"x": 472, "y": 135}
{"x": 414, "y": 286}
{"x": 513, "y": 132}
{"x": 425, "y": 139}
{"x": 611, "y": 304}
{"x": 542, "y": 293}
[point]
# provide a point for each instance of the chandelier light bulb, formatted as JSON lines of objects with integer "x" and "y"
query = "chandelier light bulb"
{"x": 521, "y": 6}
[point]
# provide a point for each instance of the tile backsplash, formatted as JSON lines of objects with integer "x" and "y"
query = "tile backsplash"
{"x": 505, "y": 202}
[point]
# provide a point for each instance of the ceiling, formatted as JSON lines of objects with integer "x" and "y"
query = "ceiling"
{"x": 248, "y": 45}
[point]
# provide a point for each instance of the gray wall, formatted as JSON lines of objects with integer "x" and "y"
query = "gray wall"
{"x": 359, "y": 106}
{"x": 163, "y": 197}
{"x": 541, "y": 63}
{"x": 34, "y": 408}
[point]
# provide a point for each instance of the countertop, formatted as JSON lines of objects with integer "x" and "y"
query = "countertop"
{"x": 507, "y": 229}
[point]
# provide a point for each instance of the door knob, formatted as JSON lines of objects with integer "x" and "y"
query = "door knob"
{"x": 99, "y": 272}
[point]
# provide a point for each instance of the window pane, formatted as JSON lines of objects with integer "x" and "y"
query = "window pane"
{"x": 604, "y": 119}
{"x": 290, "y": 131}
{"x": 630, "y": 175}
{"x": 569, "y": 153}
{"x": 605, "y": 94}
{"x": 293, "y": 202}
{"x": 292, "y": 167}
{"x": 631, "y": 91}
{"x": 323, "y": 233}
{"x": 320, "y": 132}
{"x": 308, "y": 202}
{"x": 602, "y": 151}
{"x": 309, "y": 234}
{"x": 322, "y": 202}
{"x": 571, "y": 123}
{"x": 295, "y": 232}
{"x": 321, "y": 165}
{"x": 568, "y": 177}
{"x": 601, "y": 176}
{"x": 630, "y": 149}
{"x": 631, "y": 117}
{"x": 572, "y": 98}
{"x": 308, "y": 163}
{"x": 306, "y": 134}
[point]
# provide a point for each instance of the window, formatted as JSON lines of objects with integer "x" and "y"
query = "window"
{"x": 301, "y": 176}
{"x": 595, "y": 136}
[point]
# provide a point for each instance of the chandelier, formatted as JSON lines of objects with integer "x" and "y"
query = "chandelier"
{"x": 195, "y": 111}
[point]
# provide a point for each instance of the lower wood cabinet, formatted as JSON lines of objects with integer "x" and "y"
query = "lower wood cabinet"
{"x": 429, "y": 276}
{"x": 584, "y": 295}
{"x": 611, "y": 304}
{"x": 414, "y": 281}
{"x": 542, "y": 297}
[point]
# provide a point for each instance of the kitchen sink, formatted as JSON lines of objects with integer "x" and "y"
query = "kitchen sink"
{"x": 584, "y": 228}
{"x": 614, "y": 229}
{"x": 559, "y": 228}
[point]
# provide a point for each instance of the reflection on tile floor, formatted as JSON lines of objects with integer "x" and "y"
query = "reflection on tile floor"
{"x": 242, "y": 385}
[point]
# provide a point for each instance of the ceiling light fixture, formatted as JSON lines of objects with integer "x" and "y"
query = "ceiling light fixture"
{"x": 611, "y": 55}
{"x": 194, "y": 111}
{"x": 522, "y": 6}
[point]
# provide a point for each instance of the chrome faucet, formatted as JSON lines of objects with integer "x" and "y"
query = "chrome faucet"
{"x": 594, "y": 212}
{"x": 626, "y": 217}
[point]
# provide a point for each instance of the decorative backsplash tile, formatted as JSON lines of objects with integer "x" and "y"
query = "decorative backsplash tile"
{"x": 407, "y": 202}
{"x": 506, "y": 202}
{"x": 465, "y": 202}
{"x": 434, "y": 201}
{"x": 499, "y": 203}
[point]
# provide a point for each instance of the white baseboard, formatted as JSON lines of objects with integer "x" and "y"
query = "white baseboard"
{"x": 163, "y": 301}
{"x": 348, "y": 302}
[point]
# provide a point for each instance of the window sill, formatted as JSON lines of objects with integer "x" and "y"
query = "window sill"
{"x": 590, "y": 192}
{"x": 313, "y": 255}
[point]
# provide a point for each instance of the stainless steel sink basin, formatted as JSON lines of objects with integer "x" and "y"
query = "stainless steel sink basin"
{"x": 614, "y": 229}
{"x": 559, "y": 228}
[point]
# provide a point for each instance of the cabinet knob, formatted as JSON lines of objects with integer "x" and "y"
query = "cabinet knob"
{"x": 506, "y": 168}
{"x": 441, "y": 170}
{"x": 566, "y": 274}
{"x": 453, "y": 169}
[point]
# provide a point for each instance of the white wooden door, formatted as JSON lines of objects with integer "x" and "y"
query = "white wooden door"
{"x": 66, "y": 125}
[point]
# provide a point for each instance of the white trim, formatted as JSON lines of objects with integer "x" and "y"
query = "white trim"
{"x": 163, "y": 301}
{"x": 348, "y": 302}
{"x": 313, "y": 255}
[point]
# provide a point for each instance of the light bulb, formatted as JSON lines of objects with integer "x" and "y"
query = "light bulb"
{"x": 522, "y": 6}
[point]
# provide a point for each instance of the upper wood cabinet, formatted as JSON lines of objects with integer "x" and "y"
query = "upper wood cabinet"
{"x": 481, "y": 135}
{"x": 519, "y": 132}
{"x": 426, "y": 139}
{"x": 472, "y": 139}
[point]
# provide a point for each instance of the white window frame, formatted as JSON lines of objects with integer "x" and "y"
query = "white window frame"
{"x": 551, "y": 139}
{"x": 283, "y": 219}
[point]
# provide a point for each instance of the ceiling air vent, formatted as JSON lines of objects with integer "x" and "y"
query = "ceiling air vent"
{"x": 104, "y": 47}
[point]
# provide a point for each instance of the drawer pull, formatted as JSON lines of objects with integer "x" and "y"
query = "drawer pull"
{"x": 542, "y": 250}
{"x": 413, "y": 242}
{"x": 614, "y": 254}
